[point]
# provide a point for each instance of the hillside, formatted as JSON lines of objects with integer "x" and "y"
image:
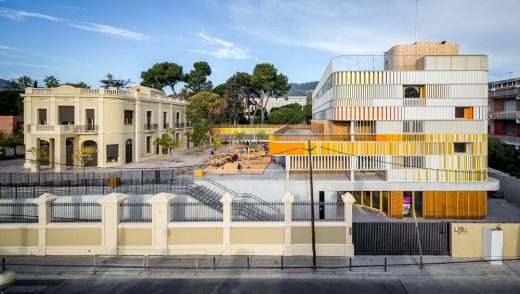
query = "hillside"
{"x": 301, "y": 89}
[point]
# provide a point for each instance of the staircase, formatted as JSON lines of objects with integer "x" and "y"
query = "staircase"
{"x": 248, "y": 207}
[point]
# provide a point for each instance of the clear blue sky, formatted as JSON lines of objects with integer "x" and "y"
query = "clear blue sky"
{"x": 84, "y": 40}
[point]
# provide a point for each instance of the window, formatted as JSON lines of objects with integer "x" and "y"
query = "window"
{"x": 66, "y": 115}
{"x": 129, "y": 117}
{"x": 89, "y": 113}
{"x": 412, "y": 91}
{"x": 459, "y": 147}
{"x": 148, "y": 117}
{"x": 42, "y": 116}
{"x": 112, "y": 153}
{"x": 413, "y": 126}
{"x": 464, "y": 112}
{"x": 165, "y": 118}
{"x": 401, "y": 162}
{"x": 148, "y": 144}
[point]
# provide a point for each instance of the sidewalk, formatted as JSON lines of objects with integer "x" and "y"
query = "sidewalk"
{"x": 259, "y": 267}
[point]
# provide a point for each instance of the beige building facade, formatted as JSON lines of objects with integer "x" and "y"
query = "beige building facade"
{"x": 121, "y": 124}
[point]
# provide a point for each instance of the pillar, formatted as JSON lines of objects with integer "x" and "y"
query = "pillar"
{"x": 288, "y": 200}
{"x": 59, "y": 154}
{"x": 110, "y": 217}
{"x": 226, "y": 201}
{"x": 44, "y": 218}
{"x": 160, "y": 219}
{"x": 348, "y": 200}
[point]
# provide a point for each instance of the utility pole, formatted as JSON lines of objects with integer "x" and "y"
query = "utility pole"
{"x": 312, "y": 207}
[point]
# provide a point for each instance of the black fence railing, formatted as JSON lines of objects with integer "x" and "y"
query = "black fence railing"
{"x": 257, "y": 211}
{"x": 196, "y": 212}
{"x": 143, "y": 175}
{"x": 86, "y": 129}
{"x": 151, "y": 127}
{"x": 76, "y": 212}
{"x": 323, "y": 211}
{"x": 18, "y": 213}
{"x": 180, "y": 125}
{"x": 136, "y": 212}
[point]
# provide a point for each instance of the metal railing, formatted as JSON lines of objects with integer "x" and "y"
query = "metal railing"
{"x": 166, "y": 125}
{"x": 136, "y": 212}
{"x": 76, "y": 212}
{"x": 504, "y": 115}
{"x": 253, "y": 211}
{"x": 151, "y": 127}
{"x": 180, "y": 125}
{"x": 18, "y": 213}
{"x": 196, "y": 212}
{"x": 86, "y": 129}
{"x": 507, "y": 139}
{"x": 323, "y": 211}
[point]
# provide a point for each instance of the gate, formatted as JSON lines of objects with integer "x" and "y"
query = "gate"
{"x": 399, "y": 238}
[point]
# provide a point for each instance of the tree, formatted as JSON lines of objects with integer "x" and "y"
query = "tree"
{"x": 39, "y": 154}
{"x": 202, "y": 110}
{"x": 267, "y": 82}
{"x": 25, "y": 81}
{"x": 288, "y": 114}
{"x": 307, "y": 113}
{"x": 110, "y": 82}
{"x": 84, "y": 155}
{"x": 197, "y": 79}
{"x": 51, "y": 81}
{"x": 166, "y": 142}
{"x": 82, "y": 85}
{"x": 11, "y": 103}
{"x": 161, "y": 75}
{"x": 237, "y": 91}
{"x": 503, "y": 157}
{"x": 12, "y": 140}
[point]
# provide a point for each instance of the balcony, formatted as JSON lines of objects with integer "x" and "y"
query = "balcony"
{"x": 511, "y": 140}
{"x": 180, "y": 125}
{"x": 61, "y": 129}
{"x": 505, "y": 115}
{"x": 166, "y": 126}
{"x": 85, "y": 129}
{"x": 151, "y": 127}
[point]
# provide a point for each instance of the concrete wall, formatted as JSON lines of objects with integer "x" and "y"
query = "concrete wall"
{"x": 466, "y": 239}
{"x": 509, "y": 185}
{"x": 162, "y": 237}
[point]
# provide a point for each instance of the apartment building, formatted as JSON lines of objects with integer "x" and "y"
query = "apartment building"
{"x": 504, "y": 111}
{"x": 121, "y": 124}
{"x": 408, "y": 129}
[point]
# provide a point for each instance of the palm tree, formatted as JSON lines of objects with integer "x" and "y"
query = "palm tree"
{"x": 25, "y": 81}
{"x": 51, "y": 81}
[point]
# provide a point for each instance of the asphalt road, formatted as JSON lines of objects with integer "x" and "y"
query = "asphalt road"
{"x": 350, "y": 284}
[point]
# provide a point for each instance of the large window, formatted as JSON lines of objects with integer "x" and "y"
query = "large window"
{"x": 464, "y": 112}
{"x": 413, "y": 91}
{"x": 148, "y": 144}
{"x": 66, "y": 115}
{"x": 112, "y": 153}
{"x": 129, "y": 117}
{"x": 89, "y": 113}
{"x": 42, "y": 116}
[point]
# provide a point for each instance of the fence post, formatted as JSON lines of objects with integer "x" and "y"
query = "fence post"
{"x": 226, "y": 201}
{"x": 110, "y": 217}
{"x": 348, "y": 200}
{"x": 288, "y": 200}
{"x": 44, "y": 218}
{"x": 160, "y": 218}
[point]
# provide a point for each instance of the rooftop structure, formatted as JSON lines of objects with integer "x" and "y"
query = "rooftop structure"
{"x": 504, "y": 111}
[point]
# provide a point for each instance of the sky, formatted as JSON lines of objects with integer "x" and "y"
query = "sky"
{"x": 84, "y": 40}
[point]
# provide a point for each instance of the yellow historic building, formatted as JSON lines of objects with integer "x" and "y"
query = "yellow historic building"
{"x": 121, "y": 124}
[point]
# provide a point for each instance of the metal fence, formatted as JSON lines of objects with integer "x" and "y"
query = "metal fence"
{"x": 76, "y": 212}
{"x": 18, "y": 213}
{"x": 323, "y": 211}
{"x": 196, "y": 212}
{"x": 179, "y": 185}
{"x": 401, "y": 238}
{"x": 136, "y": 212}
{"x": 127, "y": 175}
{"x": 243, "y": 211}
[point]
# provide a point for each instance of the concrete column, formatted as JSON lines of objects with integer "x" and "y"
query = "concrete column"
{"x": 226, "y": 201}
{"x": 101, "y": 155}
{"x": 60, "y": 154}
{"x": 44, "y": 218}
{"x": 288, "y": 200}
{"x": 160, "y": 219}
{"x": 110, "y": 217}
{"x": 348, "y": 200}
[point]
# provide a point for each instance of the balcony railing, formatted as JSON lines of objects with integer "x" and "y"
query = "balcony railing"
{"x": 166, "y": 125}
{"x": 86, "y": 129}
{"x": 180, "y": 125}
{"x": 504, "y": 115}
{"x": 507, "y": 139}
{"x": 151, "y": 127}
